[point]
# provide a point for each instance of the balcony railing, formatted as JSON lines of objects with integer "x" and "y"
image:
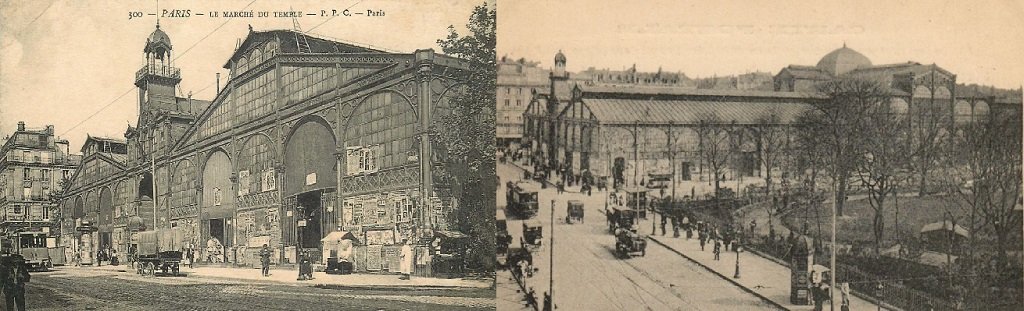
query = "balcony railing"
{"x": 62, "y": 160}
{"x": 158, "y": 70}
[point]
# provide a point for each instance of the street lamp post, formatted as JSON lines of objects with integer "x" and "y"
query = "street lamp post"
{"x": 878, "y": 294}
{"x": 738, "y": 249}
{"x": 551, "y": 258}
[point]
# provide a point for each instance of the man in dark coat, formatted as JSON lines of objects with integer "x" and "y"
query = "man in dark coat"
{"x": 14, "y": 273}
{"x": 265, "y": 259}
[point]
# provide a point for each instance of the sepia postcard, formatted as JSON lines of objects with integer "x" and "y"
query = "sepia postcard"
{"x": 759, "y": 155}
{"x": 639, "y": 155}
{"x": 247, "y": 155}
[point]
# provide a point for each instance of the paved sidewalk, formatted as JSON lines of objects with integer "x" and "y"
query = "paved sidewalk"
{"x": 758, "y": 275}
{"x": 288, "y": 276}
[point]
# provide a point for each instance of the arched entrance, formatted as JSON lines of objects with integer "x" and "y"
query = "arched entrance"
{"x": 218, "y": 208}
{"x": 104, "y": 221}
{"x": 144, "y": 201}
{"x": 617, "y": 171}
{"x": 310, "y": 183}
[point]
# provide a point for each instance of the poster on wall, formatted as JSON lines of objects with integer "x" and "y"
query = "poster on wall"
{"x": 380, "y": 237}
{"x": 243, "y": 182}
{"x": 269, "y": 180}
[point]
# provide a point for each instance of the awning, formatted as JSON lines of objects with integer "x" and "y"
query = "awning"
{"x": 338, "y": 236}
{"x": 451, "y": 234}
{"x": 945, "y": 226}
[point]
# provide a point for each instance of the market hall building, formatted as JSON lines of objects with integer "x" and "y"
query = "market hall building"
{"x": 626, "y": 134}
{"x": 308, "y": 139}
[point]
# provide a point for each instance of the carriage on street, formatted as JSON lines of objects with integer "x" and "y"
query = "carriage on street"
{"x": 533, "y": 234}
{"x": 574, "y": 211}
{"x": 628, "y": 243}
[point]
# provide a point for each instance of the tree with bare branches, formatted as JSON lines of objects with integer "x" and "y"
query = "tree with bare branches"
{"x": 926, "y": 132}
{"x": 881, "y": 153}
{"x": 713, "y": 134}
{"x": 771, "y": 138}
{"x": 838, "y": 123}
{"x": 986, "y": 175}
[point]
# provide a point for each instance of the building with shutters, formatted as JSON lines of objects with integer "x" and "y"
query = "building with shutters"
{"x": 308, "y": 136}
{"x": 34, "y": 165}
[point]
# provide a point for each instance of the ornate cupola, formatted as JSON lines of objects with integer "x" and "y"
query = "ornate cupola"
{"x": 158, "y": 77}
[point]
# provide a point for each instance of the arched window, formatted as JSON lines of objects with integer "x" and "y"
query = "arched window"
{"x": 962, "y": 111}
{"x": 241, "y": 66}
{"x": 899, "y": 106}
{"x": 981, "y": 111}
{"x": 270, "y": 49}
{"x": 256, "y": 58}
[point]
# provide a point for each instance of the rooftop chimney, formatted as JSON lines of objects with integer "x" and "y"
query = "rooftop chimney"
{"x": 21, "y": 125}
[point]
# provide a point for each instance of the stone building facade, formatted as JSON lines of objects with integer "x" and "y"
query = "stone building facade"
{"x": 517, "y": 81}
{"x": 34, "y": 165}
{"x": 308, "y": 137}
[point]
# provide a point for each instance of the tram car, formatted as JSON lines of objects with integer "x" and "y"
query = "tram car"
{"x": 522, "y": 200}
{"x": 620, "y": 217}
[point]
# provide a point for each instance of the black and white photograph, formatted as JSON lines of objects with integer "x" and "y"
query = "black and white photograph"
{"x": 247, "y": 155}
{"x": 759, "y": 155}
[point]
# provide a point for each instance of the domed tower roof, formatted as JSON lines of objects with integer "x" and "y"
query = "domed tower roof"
{"x": 843, "y": 60}
{"x": 158, "y": 41}
{"x": 560, "y": 58}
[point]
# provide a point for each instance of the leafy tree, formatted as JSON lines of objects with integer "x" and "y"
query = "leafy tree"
{"x": 467, "y": 134}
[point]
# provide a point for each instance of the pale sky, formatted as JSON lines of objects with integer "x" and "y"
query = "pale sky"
{"x": 980, "y": 41}
{"x": 78, "y": 56}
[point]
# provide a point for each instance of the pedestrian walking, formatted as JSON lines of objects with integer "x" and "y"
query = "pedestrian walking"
{"x": 265, "y": 259}
{"x": 192, "y": 257}
{"x": 718, "y": 249}
{"x": 753, "y": 225}
{"x": 702, "y": 242}
{"x": 406, "y": 264}
{"x": 99, "y": 258}
{"x": 663, "y": 222}
{"x": 844, "y": 289}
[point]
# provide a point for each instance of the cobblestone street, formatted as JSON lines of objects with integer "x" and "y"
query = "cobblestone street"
{"x": 70, "y": 288}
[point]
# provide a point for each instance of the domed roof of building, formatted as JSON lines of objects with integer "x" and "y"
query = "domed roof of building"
{"x": 560, "y": 58}
{"x": 159, "y": 36}
{"x": 843, "y": 60}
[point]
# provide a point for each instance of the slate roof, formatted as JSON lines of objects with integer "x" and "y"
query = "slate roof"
{"x": 807, "y": 72}
{"x": 629, "y": 111}
{"x": 654, "y": 90}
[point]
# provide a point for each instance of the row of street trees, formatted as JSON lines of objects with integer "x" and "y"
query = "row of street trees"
{"x": 856, "y": 136}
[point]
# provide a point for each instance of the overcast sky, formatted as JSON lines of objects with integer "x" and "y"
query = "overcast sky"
{"x": 980, "y": 41}
{"x": 78, "y": 56}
